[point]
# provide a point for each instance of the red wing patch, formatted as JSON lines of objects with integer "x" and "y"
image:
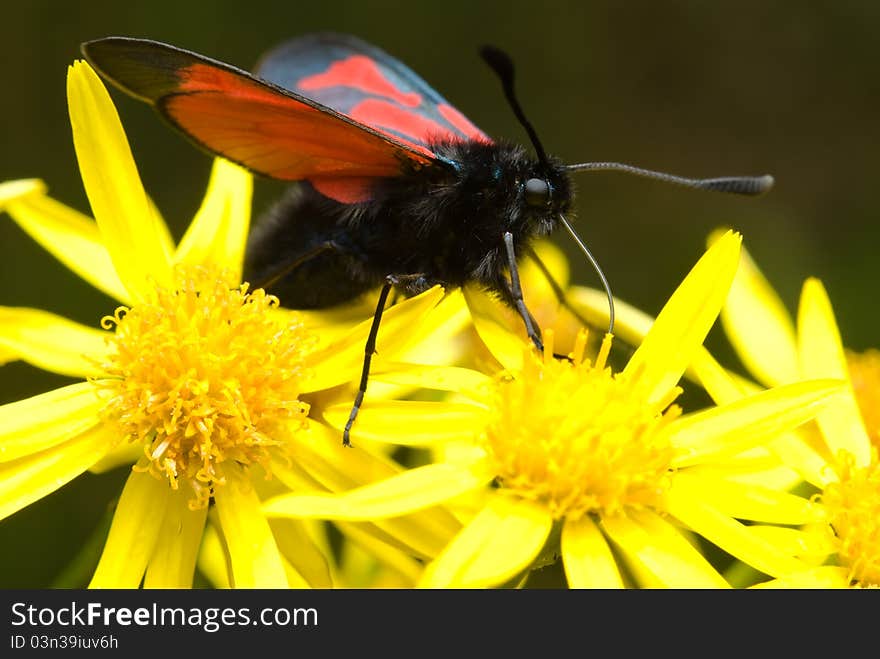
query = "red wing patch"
{"x": 344, "y": 190}
{"x": 461, "y": 122}
{"x": 361, "y": 73}
{"x": 386, "y": 116}
{"x": 368, "y": 85}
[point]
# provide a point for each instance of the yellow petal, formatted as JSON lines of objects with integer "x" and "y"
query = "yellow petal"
{"x": 402, "y": 534}
{"x": 52, "y": 342}
{"x": 822, "y": 577}
{"x": 440, "y": 339}
{"x": 72, "y": 238}
{"x": 630, "y": 324}
{"x": 720, "y": 384}
{"x": 411, "y": 423}
{"x": 797, "y": 454}
{"x": 256, "y": 561}
{"x": 682, "y": 324}
{"x": 407, "y": 492}
{"x": 218, "y": 233}
{"x": 758, "y": 466}
{"x": 135, "y": 240}
{"x": 19, "y": 189}
{"x": 822, "y": 356}
{"x": 294, "y": 578}
{"x": 749, "y": 502}
{"x": 324, "y": 464}
{"x": 728, "y": 534}
{"x": 32, "y": 477}
{"x": 177, "y": 546}
{"x": 465, "y": 381}
{"x": 500, "y": 328}
{"x": 298, "y": 548}
{"x": 7, "y": 355}
{"x": 748, "y": 422}
{"x": 342, "y": 361}
{"x": 334, "y": 323}
{"x": 587, "y": 557}
{"x": 213, "y": 557}
{"x": 658, "y": 549}
{"x": 759, "y": 326}
{"x": 293, "y": 475}
{"x": 533, "y": 280}
{"x": 755, "y": 466}
{"x": 43, "y": 421}
{"x": 123, "y": 454}
{"x": 810, "y": 545}
{"x": 136, "y": 525}
{"x": 161, "y": 231}
{"x": 388, "y": 555}
{"x": 541, "y": 299}
{"x": 499, "y": 543}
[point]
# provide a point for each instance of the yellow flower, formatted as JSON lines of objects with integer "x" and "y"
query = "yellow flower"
{"x": 567, "y": 457}
{"x": 838, "y": 454}
{"x": 199, "y": 381}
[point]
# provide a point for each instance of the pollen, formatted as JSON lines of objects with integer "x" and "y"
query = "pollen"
{"x": 864, "y": 373}
{"x": 203, "y": 376}
{"x": 575, "y": 437}
{"x": 853, "y": 505}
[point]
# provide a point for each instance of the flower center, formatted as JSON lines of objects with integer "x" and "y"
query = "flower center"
{"x": 864, "y": 372}
{"x": 203, "y": 375}
{"x": 854, "y": 508}
{"x": 577, "y": 438}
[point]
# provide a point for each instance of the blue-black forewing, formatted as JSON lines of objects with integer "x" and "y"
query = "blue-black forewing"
{"x": 365, "y": 83}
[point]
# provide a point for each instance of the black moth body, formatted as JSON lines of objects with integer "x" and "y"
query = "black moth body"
{"x": 438, "y": 225}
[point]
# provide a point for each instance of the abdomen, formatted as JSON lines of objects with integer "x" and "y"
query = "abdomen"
{"x": 303, "y": 226}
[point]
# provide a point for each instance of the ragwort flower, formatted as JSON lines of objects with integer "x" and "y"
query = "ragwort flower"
{"x": 838, "y": 454}
{"x": 565, "y": 457}
{"x": 198, "y": 380}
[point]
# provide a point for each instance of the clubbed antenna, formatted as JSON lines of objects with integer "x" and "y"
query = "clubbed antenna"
{"x": 502, "y": 65}
{"x": 745, "y": 185}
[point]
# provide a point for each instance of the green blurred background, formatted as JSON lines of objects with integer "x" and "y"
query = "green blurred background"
{"x": 693, "y": 88}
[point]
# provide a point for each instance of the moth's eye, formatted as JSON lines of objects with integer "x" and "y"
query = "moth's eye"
{"x": 537, "y": 192}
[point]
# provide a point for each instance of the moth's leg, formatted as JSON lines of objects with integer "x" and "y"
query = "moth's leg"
{"x": 305, "y": 257}
{"x": 370, "y": 348}
{"x": 514, "y": 291}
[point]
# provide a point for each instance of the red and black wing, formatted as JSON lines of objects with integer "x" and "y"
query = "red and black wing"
{"x": 368, "y": 85}
{"x": 262, "y": 126}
